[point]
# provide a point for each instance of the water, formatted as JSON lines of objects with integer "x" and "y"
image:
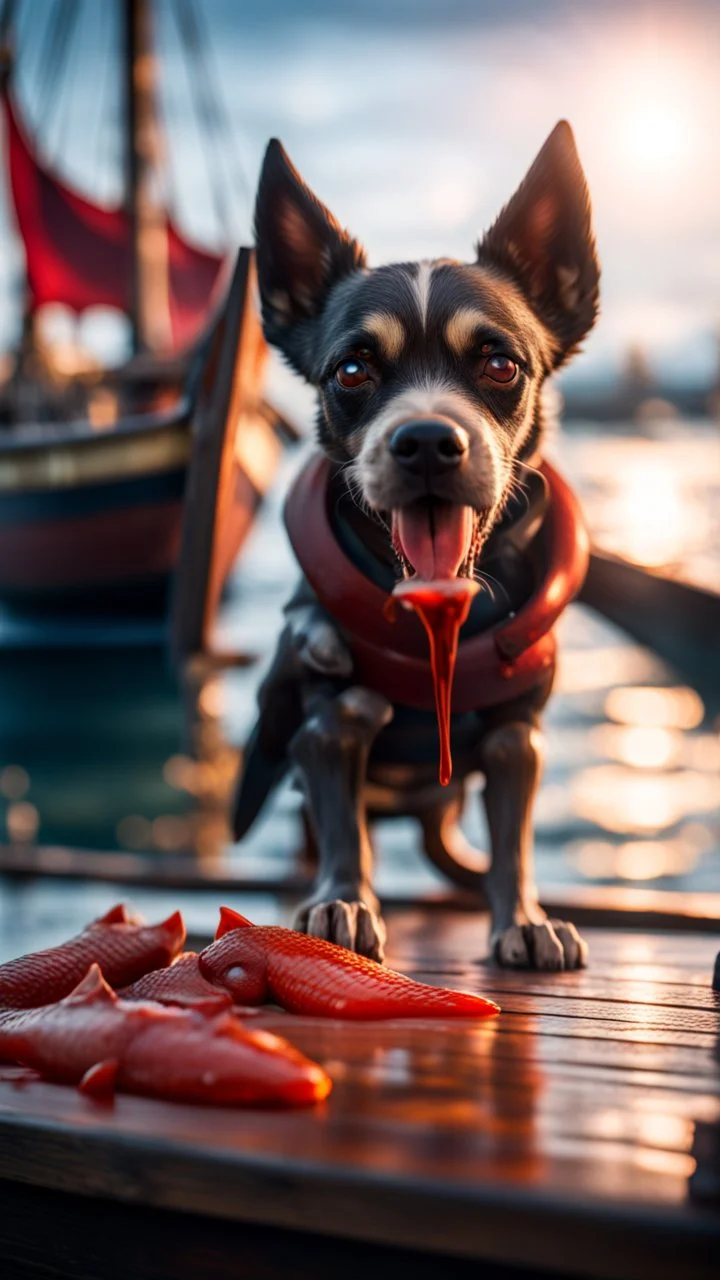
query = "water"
{"x": 95, "y": 754}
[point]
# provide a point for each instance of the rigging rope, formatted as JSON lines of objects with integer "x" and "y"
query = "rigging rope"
{"x": 222, "y": 115}
{"x": 103, "y": 94}
{"x": 210, "y": 112}
{"x": 54, "y": 104}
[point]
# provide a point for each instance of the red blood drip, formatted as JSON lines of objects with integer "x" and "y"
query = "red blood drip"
{"x": 442, "y": 607}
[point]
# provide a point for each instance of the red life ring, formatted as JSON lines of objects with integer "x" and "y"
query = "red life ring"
{"x": 392, "y": 657}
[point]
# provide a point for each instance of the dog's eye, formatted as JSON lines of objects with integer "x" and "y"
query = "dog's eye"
{"x": 352, "y": 373}
{"x": 499, "y": 368}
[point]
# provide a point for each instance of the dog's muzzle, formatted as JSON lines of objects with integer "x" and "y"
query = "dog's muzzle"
{"x": 429, "y": 445}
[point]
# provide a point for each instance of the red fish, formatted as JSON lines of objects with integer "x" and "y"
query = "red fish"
{"x": 121, "y": 943}
{"x": 95, "y": 1039}
{"x": 311, "y": 976}
{"x": 181, "y": 983}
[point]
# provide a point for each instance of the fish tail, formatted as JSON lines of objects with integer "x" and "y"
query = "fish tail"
{"x": 466, "y": 1005}
{"x": 119, "y": 914}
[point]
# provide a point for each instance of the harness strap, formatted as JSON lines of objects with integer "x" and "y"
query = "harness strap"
{"x": 391, "y": 657}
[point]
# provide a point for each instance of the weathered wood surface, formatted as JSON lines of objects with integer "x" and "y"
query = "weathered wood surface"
{"x": 558, "y": 1136}
{"x": 234, "y": 454}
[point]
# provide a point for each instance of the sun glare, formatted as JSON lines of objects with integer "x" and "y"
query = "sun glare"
{"x": 654, "y": 123}
{"x": 656, "y": 134}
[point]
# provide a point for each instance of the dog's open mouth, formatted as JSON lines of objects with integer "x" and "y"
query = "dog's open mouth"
{"x": 435, "y": 539}
{"x": 437, "y": 543}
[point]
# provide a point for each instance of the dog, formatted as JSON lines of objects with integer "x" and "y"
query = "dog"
{"x": 429, "y": 379}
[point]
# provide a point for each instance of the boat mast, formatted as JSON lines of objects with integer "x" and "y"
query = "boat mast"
{"x": 149, "y": 299}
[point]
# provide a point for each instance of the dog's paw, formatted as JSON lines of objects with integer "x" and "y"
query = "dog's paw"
{"x": 349, "y": 924}
{"x": 550, "y": 946}
{"x": 575, "y": 949}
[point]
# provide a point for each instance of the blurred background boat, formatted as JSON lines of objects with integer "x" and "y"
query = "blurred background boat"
{"x": 93, "y": 459}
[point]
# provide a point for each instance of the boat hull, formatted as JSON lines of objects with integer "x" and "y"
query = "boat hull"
{"x": 102, "y": 534}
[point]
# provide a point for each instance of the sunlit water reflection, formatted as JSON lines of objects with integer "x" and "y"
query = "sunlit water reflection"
{"x": 94, "y": 755}
{"x": 654, "y": 500}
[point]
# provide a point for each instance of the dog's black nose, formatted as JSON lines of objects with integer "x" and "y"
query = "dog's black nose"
{"x": 427, "y": 446}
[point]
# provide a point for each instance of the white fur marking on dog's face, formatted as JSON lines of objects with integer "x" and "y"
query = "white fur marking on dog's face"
{"x": 375, "y": 470}
{"x": 422, "y": 288}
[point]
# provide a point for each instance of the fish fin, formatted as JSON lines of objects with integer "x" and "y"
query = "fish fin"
{"x": 119, "y": 914}
{"x": 93, "y": 988}
{"x": 228, "y": 1025}
{"x": 230, "y": 920}
{"x": 116, "y": 915}
{"x": 175, "y": 927}
{"x": 99, "y": 1080}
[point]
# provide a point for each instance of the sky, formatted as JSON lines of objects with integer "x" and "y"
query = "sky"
{"x": 414, "y": 120}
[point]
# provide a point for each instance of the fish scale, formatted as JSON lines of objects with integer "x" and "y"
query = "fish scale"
{"x": 122, "y": 944}
{"x": 311, "y": 976}
{"x": 181, "y": 983}
{"x": 101, "y": 1042}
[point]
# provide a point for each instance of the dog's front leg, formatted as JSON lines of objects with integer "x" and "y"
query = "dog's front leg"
{"x": 522, "y": 936}
{"x": 330, "y": 752}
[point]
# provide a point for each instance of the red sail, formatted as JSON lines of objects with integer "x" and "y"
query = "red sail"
{"x": 78, "y": 253}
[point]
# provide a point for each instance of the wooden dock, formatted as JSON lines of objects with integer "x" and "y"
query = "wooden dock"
{"x": 557, "y": 1139}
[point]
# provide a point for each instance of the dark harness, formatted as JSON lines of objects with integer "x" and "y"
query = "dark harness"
{"x": 495, "y": 665}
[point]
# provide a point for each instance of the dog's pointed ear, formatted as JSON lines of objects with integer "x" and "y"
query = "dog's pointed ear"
{"x": 301, "y": 250}
{"x": 544, "y": 238}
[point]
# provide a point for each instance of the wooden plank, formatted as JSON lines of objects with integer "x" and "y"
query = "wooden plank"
{"x": 612, "y": 1053}
{"x": 632, "y": 908}
{"x": 495, "y": 1105}
{"x": 559, "y": 1135}
{"x": 628, "y": 1208}
{"x": 682, "y": 999}
{"x": 147, "y": 1244}
{"x": 588, "y": 984}
{"x": 651, "y": 1017}
{"x": 426, "y": 938}
{"x": 513, "y": 1038}
{"x": 219, "y": 498}
{"x": 176, "y": 871}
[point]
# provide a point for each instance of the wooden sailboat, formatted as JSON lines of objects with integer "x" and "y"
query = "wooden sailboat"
{"x": 93, "y": 463}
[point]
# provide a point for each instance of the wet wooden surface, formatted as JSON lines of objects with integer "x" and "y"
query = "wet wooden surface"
{"x": 557, "y": 1137}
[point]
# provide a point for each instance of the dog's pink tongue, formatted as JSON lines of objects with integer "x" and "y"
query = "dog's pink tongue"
{"x": 437, "y": 543}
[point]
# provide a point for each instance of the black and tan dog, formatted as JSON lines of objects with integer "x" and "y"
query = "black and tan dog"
{"x": 429, "y": 378}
